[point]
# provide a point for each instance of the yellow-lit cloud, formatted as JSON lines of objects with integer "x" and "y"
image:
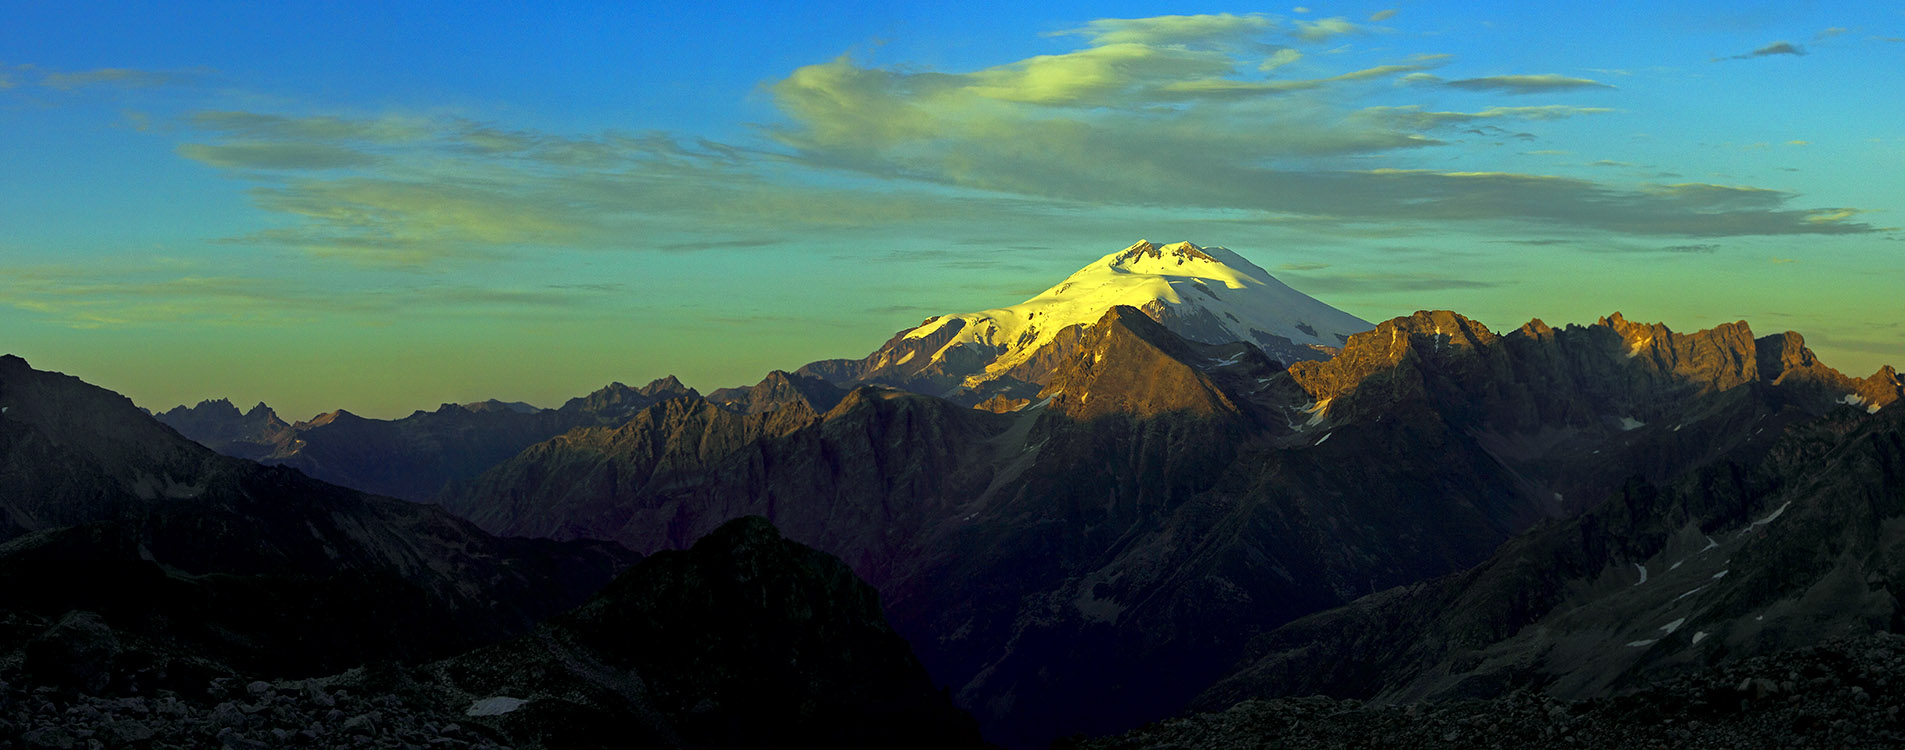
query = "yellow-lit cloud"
{"x": 1326, "y": 28}
{"x": 1279, "y": 59}
{"x": 1176, "y": 30}
{"x": 1098, "y": 76}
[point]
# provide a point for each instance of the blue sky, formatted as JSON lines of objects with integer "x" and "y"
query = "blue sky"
{"x": 349, "y": 205}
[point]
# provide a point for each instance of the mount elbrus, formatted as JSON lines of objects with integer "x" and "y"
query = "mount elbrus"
{"x": 1172, "y": 483}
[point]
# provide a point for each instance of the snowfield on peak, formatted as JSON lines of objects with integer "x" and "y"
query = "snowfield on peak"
{"x": 1207, "y": 294}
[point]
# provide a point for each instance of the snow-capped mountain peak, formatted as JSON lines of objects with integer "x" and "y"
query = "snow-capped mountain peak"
{"x": 1206, "y": 294}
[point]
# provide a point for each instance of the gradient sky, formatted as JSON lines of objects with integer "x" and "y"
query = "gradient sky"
{"x": 383, "y": 209}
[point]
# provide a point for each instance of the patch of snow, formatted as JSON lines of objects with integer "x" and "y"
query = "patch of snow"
{"x": 1643, "y": 573}
{"x": 1676, "y": 428}
{"x": 1630, "y": 424}
{"x": 1720, "y": 575}
{"x": 1675, "y": 565}
{"x": 1698, "y": 637}
{"x": 1695, "y": 590}
{"x": 1635, "y": 350}
{"x": 905, "y": 359}
{"x": 1642, "y": 643}
{"x": 1318, "y": 412}
{"x": 1710, "y": 544}
{"x": 1230, "y": 360}
{"x": 496, "y": 706}
{"x": 1326, "y": 436}
{"x": 1558, "y": 498}
{"x": 926, "y": 330}
{"x": 1094, "y": 609}
{"x": 1669, "y": 628}
{"x": 1873, "y": 409}
{"x": 1853, "y": 399}
{"x": 1776, "y": 514}
{"x": 1759, "y": 618}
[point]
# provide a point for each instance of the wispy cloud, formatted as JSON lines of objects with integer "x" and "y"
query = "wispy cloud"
{"x": 123, "y": 78}
{"x": 1197, "y": 134}
{"x": 1770, "y": 50}
{"x": 133, "y": 295}
{"x": 1543, "y": 83}
{"x": 262, "y": 126}
{"x": 721, "y": 244}
{"x": 410, "y": 192}
{"x": 275, "y": 155}
{"x": 1415, "y": 117}
{"x": 1192, "y": 115}
{"x": 1212, "y": 29}
{"x": 1388, "y": 282}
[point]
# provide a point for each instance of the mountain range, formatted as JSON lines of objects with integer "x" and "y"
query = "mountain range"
{"x": 1173, "y": 484}
{"x": 413, "y": 457}
{"x": 143, "y": 576}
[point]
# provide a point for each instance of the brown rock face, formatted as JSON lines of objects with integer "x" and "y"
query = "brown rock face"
{"x": 1127, "y": 364}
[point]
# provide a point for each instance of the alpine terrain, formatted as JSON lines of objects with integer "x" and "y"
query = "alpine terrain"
{"x": 1137, "y": 508}
{"x": 156, "y": 594}
{"x": 1169, "y": 486}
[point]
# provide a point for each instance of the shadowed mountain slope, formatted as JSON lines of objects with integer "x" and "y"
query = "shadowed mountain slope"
{"x": 413, "y": 457}
{"x": 260, "y": 568}
{"x": 742, "y": 640}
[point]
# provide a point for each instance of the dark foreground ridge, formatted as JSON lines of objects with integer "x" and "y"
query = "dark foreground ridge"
{"x": 745, "y": 640}
{"x": 1846, "y": 693}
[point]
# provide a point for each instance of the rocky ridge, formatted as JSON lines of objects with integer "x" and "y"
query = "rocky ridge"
{"x": 744, "y": 640}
